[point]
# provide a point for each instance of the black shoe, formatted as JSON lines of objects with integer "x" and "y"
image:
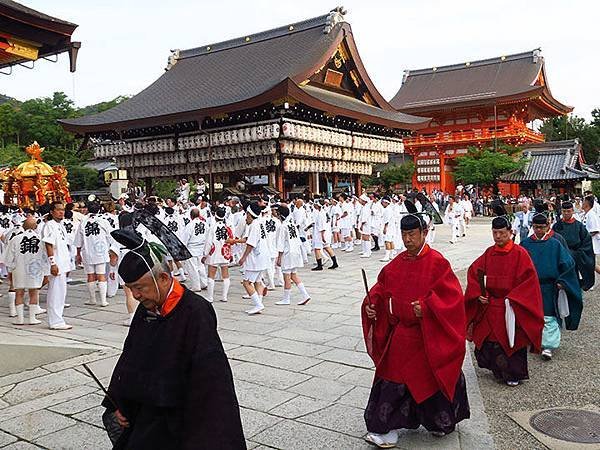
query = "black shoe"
{"x": 317, "y": 268}
{"x": 375, "y": 249}
{"x": 333, "y": 266}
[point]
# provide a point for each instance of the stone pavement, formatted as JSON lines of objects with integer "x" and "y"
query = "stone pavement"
{"x": 301, "y": 372}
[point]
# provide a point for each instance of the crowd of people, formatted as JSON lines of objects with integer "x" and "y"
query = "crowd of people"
{"x": 521, "y": 293}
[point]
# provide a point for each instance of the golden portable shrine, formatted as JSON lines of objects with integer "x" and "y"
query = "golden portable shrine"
{"x": 34, "y": 182}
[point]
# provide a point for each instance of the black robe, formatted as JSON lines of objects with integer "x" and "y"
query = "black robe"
{"x": 579, "y": 243}
{"x": 174, "y": 384}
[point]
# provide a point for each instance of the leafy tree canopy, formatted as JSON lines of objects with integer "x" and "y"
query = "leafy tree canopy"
{"x": 21, "y": 123}
{"x": 484, "y": 166}
{"x": 391, "y": 175}
{"x": 571, "y": 127}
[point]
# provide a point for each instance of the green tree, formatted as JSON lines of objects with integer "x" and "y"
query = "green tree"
{"x": 391, "y": 175}
{"x": 571, "y": 127}
{"x": 484, "y": 166}
{"x": 164, "y": 188}
{"x": 82, "y": 178}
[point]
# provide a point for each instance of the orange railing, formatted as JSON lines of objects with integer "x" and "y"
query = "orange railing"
{"x": 474, "y": 136}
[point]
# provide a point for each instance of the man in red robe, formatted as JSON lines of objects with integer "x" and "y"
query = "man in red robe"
{"x": 504, "y": 271}
{"x": 414, "y": 329}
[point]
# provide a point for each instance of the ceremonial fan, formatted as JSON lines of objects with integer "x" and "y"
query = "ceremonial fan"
{"x": 429, "y": 209}
{"x": 174, "y": 246}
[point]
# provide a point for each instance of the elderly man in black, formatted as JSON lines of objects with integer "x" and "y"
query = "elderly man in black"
{"x": 172, "y": 387}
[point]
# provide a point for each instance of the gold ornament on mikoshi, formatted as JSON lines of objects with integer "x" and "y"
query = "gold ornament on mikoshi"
{"x": 34, "y": 183}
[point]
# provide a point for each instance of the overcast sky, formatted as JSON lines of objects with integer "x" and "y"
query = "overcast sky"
{"x": 125, "y": 43}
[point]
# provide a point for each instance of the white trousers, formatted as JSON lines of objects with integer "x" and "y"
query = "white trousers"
{"x": 55, "y": 299}
{"x": 197, "y": 273}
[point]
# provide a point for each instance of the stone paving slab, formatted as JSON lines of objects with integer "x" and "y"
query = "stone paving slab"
{"x": 36, "y": 424}
{"x": 78, "y": 437}
{"x": 301, "y": 372}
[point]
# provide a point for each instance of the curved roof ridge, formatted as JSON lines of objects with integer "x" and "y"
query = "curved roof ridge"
{"x": 535, "y": 53}
{"x": 314, "y": 22}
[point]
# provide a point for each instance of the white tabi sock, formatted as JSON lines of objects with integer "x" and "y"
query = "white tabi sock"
{"x": 286, "y": 297}
{"x": 303, "y": 291}
{"x": 211, "y": 290}
{"x": 366, "y": 245}
{"x": 20, "y": 320}
{"x": 103, "y": 288}
{"x": 32, "y": 319}
{"x": 91, "y": 285}
{"x": 226, "y": 284}
{"x": 12, "y": 309}
{"x": 256, "y": 299}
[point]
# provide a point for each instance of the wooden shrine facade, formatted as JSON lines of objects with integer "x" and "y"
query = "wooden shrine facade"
{"x": 294, "y": 103}
{"x": 479, "y": 104}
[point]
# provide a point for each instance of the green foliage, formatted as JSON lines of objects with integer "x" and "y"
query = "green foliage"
{"x": 397, "y": 174}
{"x": 484, "y": 166}
{"x": 164, "y": 188}
{"x": 103, "y": 106}
{"x": 571, "y": 127}
{"x": 12, "y": 156}
{"x": 21, "y": 123}
{"x": 391, "y": 175}
{"x": 82, "y": 178}
{"x": 596, "y": 188}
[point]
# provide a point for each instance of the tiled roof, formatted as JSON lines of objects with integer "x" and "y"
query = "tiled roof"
{"x": 33, "y": 13}
{"x": 470, "y": 82}
{"x": 550, "y": 161}
{"x": 233, "y": 74}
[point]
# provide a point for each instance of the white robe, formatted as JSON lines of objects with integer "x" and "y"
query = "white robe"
{"x": 290, "y": 245}
{"x": 25, "y": 257}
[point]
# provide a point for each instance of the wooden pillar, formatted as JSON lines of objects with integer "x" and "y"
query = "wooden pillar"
{"x": 279, "y": 184}
{"x": 148, "y": 185}
{"x": 442, "y": 172}
{"x": 358, "y": 185}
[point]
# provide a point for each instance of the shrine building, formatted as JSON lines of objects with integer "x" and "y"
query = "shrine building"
{"x": 479, "y": 103}
{"x": 293, "y": 105}
{"x": 27, "y": 35}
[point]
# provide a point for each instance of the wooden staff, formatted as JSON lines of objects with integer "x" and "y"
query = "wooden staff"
{"x": 85, "y": 366}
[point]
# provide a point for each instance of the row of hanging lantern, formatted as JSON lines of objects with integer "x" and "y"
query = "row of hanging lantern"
{"x": 352, "y": 167}
{"x": 235, "y": 151}
{"x": 428, "y": 178}
{"x": 428, "y": 169}
{"x": 301, "y": 148}
{"x": 255, "y": 133}
{"x": 367, "y": 156}
{"x": 316, "y": 166}
{"x": 156, "y": 159}
{"x": 339, "y": 138}
{"x": 161, "y": 171}
{"x": 112, "y": 149}
{"x": 379, "y": 143}
{"x": 295, "y": 130}
{"x": 322, "y": 135}
{"x": 307, "y": 165}
{"x": 234, "y": 165}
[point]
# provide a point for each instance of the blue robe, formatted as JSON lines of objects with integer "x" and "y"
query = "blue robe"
{"x": 580, "y": 245}
{"x": 554, "y": 264}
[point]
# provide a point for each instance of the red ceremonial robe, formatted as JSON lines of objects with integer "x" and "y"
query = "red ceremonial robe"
{"x": 510, "y": 273}
{"x": 425, "y": 354}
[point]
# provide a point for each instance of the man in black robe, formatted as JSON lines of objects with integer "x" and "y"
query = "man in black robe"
{"x": 579, "y": 243}
{"x": 172, "y": 387}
